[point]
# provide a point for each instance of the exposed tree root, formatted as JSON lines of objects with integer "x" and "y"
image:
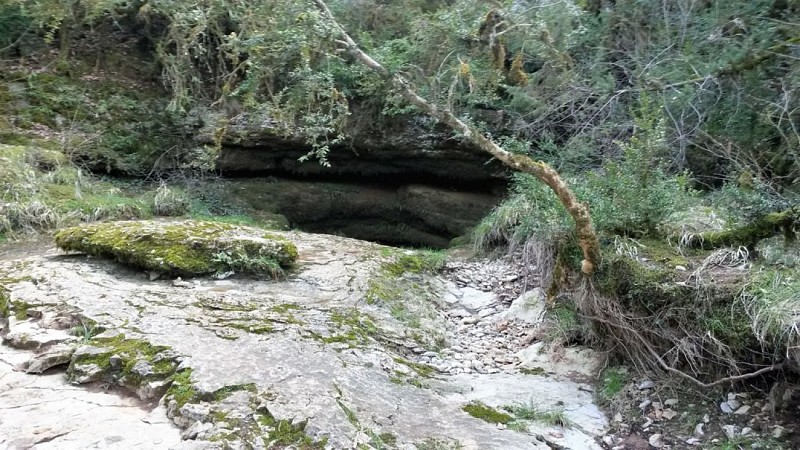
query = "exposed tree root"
{"x": 630, "y": 335}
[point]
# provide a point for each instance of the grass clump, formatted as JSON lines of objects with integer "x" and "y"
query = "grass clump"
{"x": 285, "y": 434}
{"x": 555, "y": 417}
{"x": 423, "y": 370}
{"x": 41, "y": 190}
{"x": 353, "y": 326}
{"x": 418, "y": 261}
{"x": 5, "y": 303}
{"x": 226, "y": 391}
{"x": 772, "y": 302}
{"x": 170, "y": 201}
{"x": 486, "y": 413}
{"x": 181, "y": 389}
{"x": 186, "y": 248}
{"x": 439, "y": 444}
{"x": 612, "y": 382}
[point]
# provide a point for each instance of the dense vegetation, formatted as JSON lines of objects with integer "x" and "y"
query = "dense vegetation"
{"x": 669, "y": 118}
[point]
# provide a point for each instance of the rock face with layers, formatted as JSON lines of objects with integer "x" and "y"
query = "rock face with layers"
{"x": 342, "y": 353}
{"x": 403, "y": 146}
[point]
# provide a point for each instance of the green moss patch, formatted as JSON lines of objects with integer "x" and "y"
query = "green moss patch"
{"x": 129, "y": 352}
{"x": 181, "y": 389}
{"x": 353, "y": 326}
{"x": 486, "y": 413}
{"x": 225, "y": 392}
{"x": 284, "y": 434}
{"x": 420, "y": 261}
{"x": 5, "y": 307}
{"x": 186, "y": 248}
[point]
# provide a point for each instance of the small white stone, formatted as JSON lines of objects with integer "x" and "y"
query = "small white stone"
{"x": 486, "y": 312}
{"x": 655, "y": 441}
{"x": 743, "y": 410}
{"x": 647, "y": 384}
{"x": 730, "y": 431}
{"x": 657, "y": 406}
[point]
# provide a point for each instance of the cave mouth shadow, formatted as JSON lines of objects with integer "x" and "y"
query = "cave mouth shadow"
{"x": 404, "y": 211}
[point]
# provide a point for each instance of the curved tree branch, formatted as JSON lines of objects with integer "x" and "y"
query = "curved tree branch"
{"x": 587, "y": 237}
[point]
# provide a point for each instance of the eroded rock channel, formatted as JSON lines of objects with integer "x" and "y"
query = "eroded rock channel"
{"x": 350, "y": 351}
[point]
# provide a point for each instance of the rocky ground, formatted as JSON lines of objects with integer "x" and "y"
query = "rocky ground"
{"x": 344, "y": 353}
{"x": 252, "y": 363}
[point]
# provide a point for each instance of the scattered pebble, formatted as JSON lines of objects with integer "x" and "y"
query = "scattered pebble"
{"x": 656, "y": 441}
{"x": 647, "y": 384}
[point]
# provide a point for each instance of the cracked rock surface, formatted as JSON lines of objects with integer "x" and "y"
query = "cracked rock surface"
{"x": 253, "y": 363}
{"x": 45, "y": 412}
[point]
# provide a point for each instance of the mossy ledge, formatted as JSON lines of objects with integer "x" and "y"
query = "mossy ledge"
{"x": 185, "y": 248}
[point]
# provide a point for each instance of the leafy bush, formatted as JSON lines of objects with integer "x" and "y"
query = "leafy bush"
{"x": 531, "y": 210}
{"x": 748, "y": 199}
{"x": 630, "y": 196}
{"x": 623, "y": 199}
{"x": 634, "y": 195}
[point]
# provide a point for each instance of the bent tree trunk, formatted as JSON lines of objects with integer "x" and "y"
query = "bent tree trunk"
{"x": 587, "y": 237}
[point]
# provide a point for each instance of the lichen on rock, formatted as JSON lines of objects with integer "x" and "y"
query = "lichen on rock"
{"x": 186, "y": 248}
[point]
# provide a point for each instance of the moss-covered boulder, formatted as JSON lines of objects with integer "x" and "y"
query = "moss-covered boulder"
{"x": 186, "y": 248}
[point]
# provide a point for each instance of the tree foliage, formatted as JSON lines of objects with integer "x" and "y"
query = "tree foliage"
{"x": 565, "y": 75}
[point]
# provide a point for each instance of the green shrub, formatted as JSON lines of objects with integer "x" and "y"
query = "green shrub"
{"x": 630, "y": 196}
{"x": 627, "y": 202}
{"x": 748, "y": 199}
{"x": 531, "y": 210}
